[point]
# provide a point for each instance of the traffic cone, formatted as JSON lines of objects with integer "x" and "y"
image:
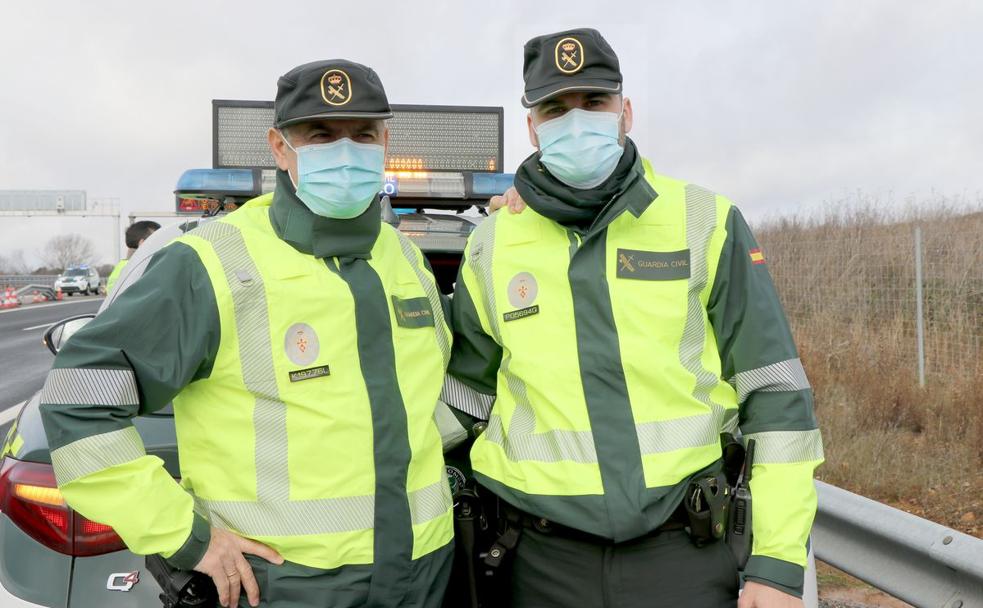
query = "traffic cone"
{"x": 12, "y": 301}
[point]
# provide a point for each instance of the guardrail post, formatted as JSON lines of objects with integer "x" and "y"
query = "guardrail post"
{"x": 919, "y": 307}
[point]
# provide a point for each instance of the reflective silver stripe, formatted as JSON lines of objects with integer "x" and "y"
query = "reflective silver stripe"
{"x": 690, "y": 432}
{"x": 452, "y": 432}
{"x": 255, "y": 357}
{"x": 462, "y": 397}
{"x": 430, "y": 502}
{"x": 786, "y": 447}
{"x": 83, "y": 386}
{"x": 430, "y": 287}
{"x": 551, "y": 446}
{"x": 778, "y": 377}
{"x": 292, "y": 518}
{"x": 95, "y": 453}
{"x": 521, "y": 442}
{"x": 695, "y": 431}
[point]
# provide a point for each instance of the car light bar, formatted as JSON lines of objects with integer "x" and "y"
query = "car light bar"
{"x": 228, "y": 181}
{"x": 491, "y": 183}
{"x": 422, "y": 184}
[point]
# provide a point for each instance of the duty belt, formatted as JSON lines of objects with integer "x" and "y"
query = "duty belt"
{"x": 515, "y": 519}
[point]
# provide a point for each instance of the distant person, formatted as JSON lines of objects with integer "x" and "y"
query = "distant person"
{"x": 136, "y": 234}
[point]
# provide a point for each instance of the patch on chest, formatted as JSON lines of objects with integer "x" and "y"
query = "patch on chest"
{"x": 301, "y": 344}
{"x": 413, "y": 312}
{"x": 653, "y": 265}
{"x": 523, "y": 290}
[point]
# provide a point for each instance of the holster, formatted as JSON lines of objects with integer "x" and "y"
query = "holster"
{"x": 181, "y": 588}
{"x": 707, "y": 503}
{"x": 477, "y": 529}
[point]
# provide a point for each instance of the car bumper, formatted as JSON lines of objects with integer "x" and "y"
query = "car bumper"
{"x": 70, "y": 289}
{"x": 9, "y": 600}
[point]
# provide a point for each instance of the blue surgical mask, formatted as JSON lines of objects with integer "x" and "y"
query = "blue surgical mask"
{"x": 581, "y": 148}
{"x": 341, "y": 179}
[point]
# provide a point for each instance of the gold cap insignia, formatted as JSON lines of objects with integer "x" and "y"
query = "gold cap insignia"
{"x": 336, "y": 88}
{"x": 569, "y": 55}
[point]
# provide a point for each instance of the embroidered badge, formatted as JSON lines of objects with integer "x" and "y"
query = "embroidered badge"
{"x": 653, "y": 265}
{"x": 569, "y": 55}
{"x": 336, "y": 87}
{"x": 301, "y": 344}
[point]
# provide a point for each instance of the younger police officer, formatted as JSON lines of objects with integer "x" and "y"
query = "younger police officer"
{"x": 304, "y": 347}
{"x": 623, "y": 322}
{"x": 136, "y": 234}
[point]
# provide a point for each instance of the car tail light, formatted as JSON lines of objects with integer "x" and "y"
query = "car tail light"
{"x": 29, "y": 496}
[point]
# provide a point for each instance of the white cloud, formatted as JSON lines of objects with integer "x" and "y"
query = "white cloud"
{"x": 776, "y": 104}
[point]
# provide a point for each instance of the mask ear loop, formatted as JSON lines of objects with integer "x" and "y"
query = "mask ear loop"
{"x": 294, "y": 150}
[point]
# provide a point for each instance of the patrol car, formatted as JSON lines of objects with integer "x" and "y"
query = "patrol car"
{"x": 78, "y": 279}
{"x": 444, "y": 164}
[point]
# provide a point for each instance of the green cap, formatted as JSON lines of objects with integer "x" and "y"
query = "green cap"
{"x": 574, "y": 60}
{"x": 336, "y": 88}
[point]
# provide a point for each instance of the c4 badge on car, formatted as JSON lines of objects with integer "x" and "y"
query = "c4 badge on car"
{"x": 122, "y": 581}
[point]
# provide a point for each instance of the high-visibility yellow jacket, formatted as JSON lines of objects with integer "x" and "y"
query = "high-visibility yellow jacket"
{"x": 620, "y": 353}
{"x": 304, "y": 391}
{"x": 114, "y": 275}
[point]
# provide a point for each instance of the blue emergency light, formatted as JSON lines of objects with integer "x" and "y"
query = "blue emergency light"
{"x": 491, "y": 183}
{"x": 217, "y": 180}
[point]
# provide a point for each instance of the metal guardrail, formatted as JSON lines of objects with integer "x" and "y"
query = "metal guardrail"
{"x": 910, "y": 558}
{"x": 22, "y": 280}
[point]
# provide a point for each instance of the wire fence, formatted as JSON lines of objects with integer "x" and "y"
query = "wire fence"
{"x": 861, "y": 280}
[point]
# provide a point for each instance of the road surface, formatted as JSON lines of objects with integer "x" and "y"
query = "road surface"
{"x": 24, "y": 360}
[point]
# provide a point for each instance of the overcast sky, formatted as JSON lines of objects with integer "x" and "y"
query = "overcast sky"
{"x": 780, "y": 105}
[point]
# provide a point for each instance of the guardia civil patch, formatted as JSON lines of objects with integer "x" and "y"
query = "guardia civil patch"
{"x": 653, "y": 265}
{"x": 757, "y": 256}
{"x": 413, "y": 312}
{"x": 310, "y": 373}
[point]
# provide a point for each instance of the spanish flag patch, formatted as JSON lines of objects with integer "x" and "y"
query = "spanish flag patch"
{"x": 757, "y": 257}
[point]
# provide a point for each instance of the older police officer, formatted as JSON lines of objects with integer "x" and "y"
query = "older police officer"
{"x": 303, "y": 345}
{"x": 624, "y": 322}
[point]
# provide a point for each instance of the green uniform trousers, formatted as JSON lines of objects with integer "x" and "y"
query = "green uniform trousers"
{"x": 295, "y": 586}
{"x": 664, "y": 570}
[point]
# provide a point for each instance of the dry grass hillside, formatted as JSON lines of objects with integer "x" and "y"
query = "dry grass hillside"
{"x": 848, "y": 284}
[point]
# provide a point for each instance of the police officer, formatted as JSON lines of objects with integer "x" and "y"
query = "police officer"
{"x": 136, "y": 234}
{"x": 303, "y": 345}
{"x": 624, "y": 321}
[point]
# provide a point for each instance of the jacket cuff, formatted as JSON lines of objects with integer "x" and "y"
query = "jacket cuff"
{"x": 193, "y": 549}
{"x": 776, "y": 573}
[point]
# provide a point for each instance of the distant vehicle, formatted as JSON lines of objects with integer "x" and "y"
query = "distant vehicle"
{"x": 51, "y": 555}
{"x": 79, "y": 279}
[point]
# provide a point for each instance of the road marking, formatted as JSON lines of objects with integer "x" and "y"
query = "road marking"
{"x": 11, "y": 412}
{"x": 37, "y": 327}
{"x": 40, "y": 306}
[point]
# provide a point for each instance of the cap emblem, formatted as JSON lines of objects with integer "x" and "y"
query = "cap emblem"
{"x": 569, "y": 55}
{"x": 336, "y": 88}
